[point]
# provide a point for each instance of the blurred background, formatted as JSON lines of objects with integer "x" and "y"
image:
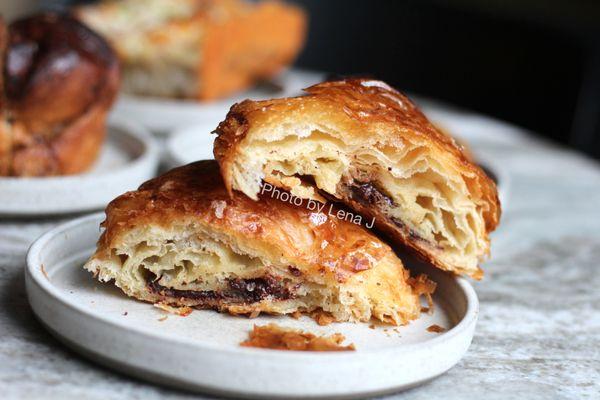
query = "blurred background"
{"x": 534, "y": 63}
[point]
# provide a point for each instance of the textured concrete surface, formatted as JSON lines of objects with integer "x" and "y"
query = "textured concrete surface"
{"x": 538, "y": 336}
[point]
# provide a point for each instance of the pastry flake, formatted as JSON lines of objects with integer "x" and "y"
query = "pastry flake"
{"x": 275, "y": 337}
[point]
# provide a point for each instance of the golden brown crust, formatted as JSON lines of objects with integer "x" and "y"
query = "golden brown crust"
{"x": 60, "y": 81}
{"x": 372, "y": 114}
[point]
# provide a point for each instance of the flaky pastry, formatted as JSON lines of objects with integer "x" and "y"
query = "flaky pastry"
{"x": 181, "y": 240}
{"x": 365, "y": 144}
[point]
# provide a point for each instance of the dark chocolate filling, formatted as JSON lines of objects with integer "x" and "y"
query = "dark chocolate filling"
{"x": 367, "y": 194}
{"x": 239, "y": 291}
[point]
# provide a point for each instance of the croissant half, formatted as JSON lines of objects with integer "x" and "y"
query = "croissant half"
{"x": 181, "y": 240}
{"x": 365, "y": 144}
{"x": 59, "y": 80}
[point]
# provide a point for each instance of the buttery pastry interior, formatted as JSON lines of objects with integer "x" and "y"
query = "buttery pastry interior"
{"x": 365, "y": 144}
{"x": 181, "y": 240}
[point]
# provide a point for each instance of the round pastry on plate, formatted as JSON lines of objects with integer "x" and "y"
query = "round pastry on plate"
{"x": 58, "y": 82}
{"x": 58, "y": 152}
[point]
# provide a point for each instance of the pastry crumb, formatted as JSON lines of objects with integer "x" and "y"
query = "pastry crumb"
{"x": 436, "y": 328}
{"x": 322, "y": 318}
{"x": 274, "y": 337}
{"x": 423, "y": 286}
{"x": 181, "y": 311}
{"x": 163, "y": 318}
{"x": 43, "y": 269}
{"x": 296, "y": 314}
{"x": 372, "y": 326}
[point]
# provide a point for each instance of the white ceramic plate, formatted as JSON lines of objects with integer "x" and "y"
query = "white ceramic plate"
{"x": 200, "y": 352}
{"x": 128, "y": 157}
{"x": 163, "y": 116}
{"x": 190, "y": 144}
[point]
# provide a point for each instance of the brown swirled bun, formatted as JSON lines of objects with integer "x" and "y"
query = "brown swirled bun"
{"x": 181, "y": 240}
{"x": 365, "y": 144}
{"x": 59, "y": 81}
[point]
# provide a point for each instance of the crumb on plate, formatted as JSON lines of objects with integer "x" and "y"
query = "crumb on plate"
{"x": 181, "y": 311}
{"x": 322, "y": 318}
{"x": 274, "y": 337}
{"x": 44, "y": 271}
{"x": 423, "y": 286}
{"x": 436, "y": 328}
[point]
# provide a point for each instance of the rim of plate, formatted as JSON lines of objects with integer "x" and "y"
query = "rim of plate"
{"x": 33, "y": 270}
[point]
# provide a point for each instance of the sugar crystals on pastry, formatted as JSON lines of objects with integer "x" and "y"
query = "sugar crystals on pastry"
{"x": 365, "y": 144}
{"x": 181, "y": 240}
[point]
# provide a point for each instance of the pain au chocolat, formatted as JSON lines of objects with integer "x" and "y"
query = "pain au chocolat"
{"x": 58, "y": 81}
{"x": 365, "y": 144}
{"x": 182, "y": 240}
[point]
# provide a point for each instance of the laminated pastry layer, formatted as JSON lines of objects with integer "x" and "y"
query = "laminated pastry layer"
{"x": 182, "y": 240}
{"x": 364, "y": 144}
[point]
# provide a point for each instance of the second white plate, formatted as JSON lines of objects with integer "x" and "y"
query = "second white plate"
{"x": 201, "y": 352}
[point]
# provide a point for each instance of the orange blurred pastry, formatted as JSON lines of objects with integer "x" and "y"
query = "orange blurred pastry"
{"x": 59, "y": 80}
{"x": 275, "y": 337}
{"x": 363, "y": 143}
{"x": 181, "y": 240}
{"x": 201, "y": 49}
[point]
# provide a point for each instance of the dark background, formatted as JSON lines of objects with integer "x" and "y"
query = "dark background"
{"x": 535, "y": 63}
